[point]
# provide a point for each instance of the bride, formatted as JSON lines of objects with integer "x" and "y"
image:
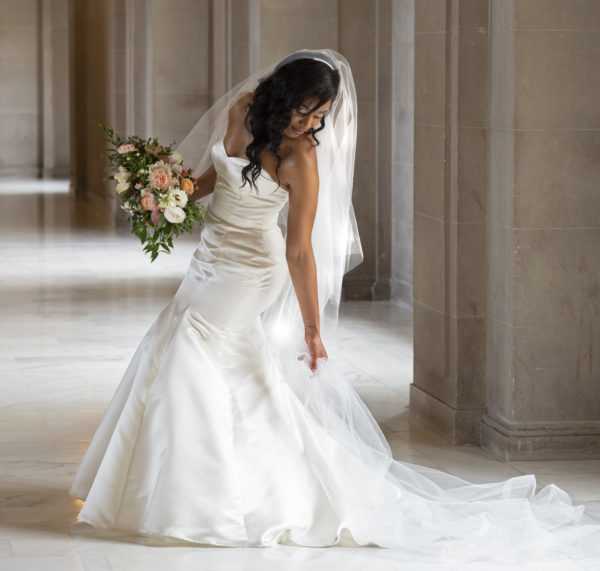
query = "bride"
{"x": 231, "y": 426}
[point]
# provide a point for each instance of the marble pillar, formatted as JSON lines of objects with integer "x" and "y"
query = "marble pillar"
{"x": 543, "y": 328}
{"x": 451, "y": 135}
{"x": 180, "y": 76}
{"x": 365, "y": 40}
{"x": 90, "y": 86}
{"x": 507, "y": 273}
{"x": 34, "y": 99}
{"x": 402, "y": 132}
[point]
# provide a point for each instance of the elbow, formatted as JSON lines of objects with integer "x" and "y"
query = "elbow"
{"x": 297, "y": 256}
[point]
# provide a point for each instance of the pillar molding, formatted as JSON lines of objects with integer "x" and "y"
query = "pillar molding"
{"x": 506, "y": 267}
{"x": 450, "y": 190}
{"x": 542, "y": 392}
{"x": 373, "y": 166}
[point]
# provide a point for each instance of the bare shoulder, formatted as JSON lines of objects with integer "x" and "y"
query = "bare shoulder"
{"x": 299, "y": 167}
{"x": 240, "y": 106}
{"x": 237, "y": 133}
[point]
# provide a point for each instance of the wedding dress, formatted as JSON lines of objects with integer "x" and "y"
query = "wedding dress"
{"x": 218, "y": 434}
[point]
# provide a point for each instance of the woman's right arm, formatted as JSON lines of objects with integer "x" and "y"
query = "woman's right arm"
{"x": 205, "y": 183}
{"x": 303, "y": 180}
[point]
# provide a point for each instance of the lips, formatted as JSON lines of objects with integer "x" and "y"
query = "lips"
{"x": 298, "y": 131}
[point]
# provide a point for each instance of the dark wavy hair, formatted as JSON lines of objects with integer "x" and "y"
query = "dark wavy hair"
{"x": 274, "y": 98}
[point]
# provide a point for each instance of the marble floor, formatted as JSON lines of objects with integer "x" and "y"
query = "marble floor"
{"x": 74, "y": 303}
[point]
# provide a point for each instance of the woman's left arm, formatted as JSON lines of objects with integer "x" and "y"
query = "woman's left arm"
{"x": 205, "y": 183}
{"x": 303, "y": 180}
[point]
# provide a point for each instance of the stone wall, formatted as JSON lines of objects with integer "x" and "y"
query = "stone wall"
{"x": 34, "y": 99}
{"x": 507, "y": 273}
{"x": 543, "y": 328}
{"x": 153, "y": 67}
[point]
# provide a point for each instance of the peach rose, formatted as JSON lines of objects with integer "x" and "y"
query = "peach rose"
{"x": 160, "y": 177}
{"x": 148, "y": 202}
{"x": 126, "y": 148}
{"x": 187, "y": 186}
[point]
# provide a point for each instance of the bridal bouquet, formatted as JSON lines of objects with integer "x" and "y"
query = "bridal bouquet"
{"x": 153, "y": 187}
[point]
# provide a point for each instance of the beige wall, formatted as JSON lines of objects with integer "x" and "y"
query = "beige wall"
{"x": 402, "y": 74}
{"x": 288, "y": 26}
{"x": 19, "y": 149}
{"x": 450, "y": 204}
{"x": 90, "y": 102}
{"x": 544, "y": 301}
{"x": 507, "y": 236}
{"x": 153, "y": 67}
{"x": 180, "y": 46}
{"x": 34, "y": 96}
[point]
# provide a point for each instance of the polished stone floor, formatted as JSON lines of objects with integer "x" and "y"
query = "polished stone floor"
{"x": 74, "y": 303}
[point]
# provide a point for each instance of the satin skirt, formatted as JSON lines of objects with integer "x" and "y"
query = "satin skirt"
{"x": 218, "y": 434}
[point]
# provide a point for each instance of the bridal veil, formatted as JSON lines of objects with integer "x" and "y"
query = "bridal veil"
{"x": 426, "y": 514}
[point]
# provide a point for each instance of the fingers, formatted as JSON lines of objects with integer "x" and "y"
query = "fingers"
{"x": 313, "y": 361}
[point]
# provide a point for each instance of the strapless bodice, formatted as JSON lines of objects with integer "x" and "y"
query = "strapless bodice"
{"x": 243, "y": 206}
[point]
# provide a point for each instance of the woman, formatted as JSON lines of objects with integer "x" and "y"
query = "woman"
{"x": 218, "y": 433}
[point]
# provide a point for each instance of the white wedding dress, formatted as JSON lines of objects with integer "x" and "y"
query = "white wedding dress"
{"x": 218, "y": 434}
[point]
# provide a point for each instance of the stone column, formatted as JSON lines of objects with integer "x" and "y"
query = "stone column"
{"x": 543, "y": 331}
{"x": 89, "y": 94}
{"x": 402, "y": 131}
{"x": 34, "y": 98}
{"x": 450, "y": 205}
{"x": 180, "y": 50}
{"x": 365, "y": 39}
{"x": 54, "y": 88}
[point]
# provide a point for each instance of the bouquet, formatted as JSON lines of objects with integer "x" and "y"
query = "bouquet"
{"x": 153, "y": 187}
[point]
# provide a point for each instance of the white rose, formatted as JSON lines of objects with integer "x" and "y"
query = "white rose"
{"x": 166, "y": 200}
{"x": 179, "y": 196}
{"x": 122, "y": 176}
{"x": 177, "y": 168}
{"x": 174, "y": 214}
{"x": 127, "y": 207}
{"x": 175, "y": 157}
{"x": 122, "y": 187}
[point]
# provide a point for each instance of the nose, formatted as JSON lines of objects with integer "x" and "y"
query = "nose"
{"x": 309, "y": 122}
{"x": 305, "y": 122}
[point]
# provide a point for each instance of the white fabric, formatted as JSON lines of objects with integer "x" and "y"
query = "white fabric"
{"x": 335, "y": 238}
{"x": 219, "y": 434}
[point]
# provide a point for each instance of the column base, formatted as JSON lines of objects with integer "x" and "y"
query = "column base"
{"x": 563, "y": 441}
{"x": 459, "y": 427}
{"x": 366, "y": 290}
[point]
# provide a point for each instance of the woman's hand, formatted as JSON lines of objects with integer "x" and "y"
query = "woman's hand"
{"x": 315, "y": 345}
{"x": 204, "y": 184}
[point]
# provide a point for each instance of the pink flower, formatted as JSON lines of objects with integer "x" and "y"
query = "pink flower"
{"x": 148, "y": 202}
{"x": 126, "y": 148}
{"x": 155, "y": 216}
{"x": 160, "y": 177}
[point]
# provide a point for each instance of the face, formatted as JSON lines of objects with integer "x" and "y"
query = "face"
{"x": 303, "y": 119}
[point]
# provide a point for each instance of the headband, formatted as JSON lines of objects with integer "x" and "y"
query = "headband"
{"x": 306, "y": 54}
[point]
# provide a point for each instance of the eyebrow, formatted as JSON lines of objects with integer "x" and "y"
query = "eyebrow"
{"x": 306, "y": 107}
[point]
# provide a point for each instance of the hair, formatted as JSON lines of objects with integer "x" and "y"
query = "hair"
{"x": 275, "y": 97}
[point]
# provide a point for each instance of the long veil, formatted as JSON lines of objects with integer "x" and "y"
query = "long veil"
{"x": 425, "y": 513}
{"x": 335, "y": 238}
